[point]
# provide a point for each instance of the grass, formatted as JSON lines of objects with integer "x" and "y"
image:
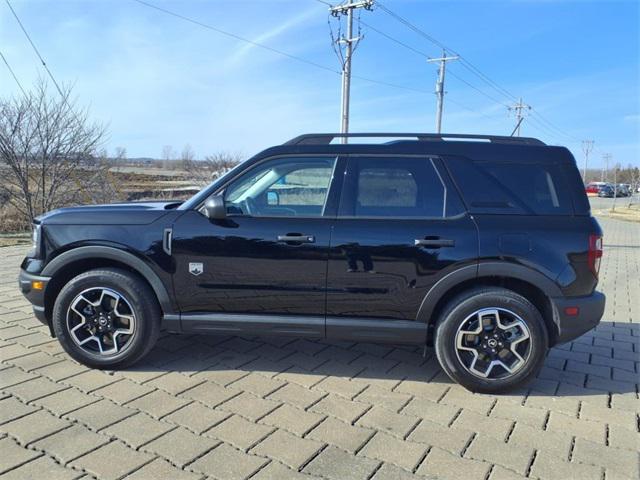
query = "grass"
{"x": 623, "y": 211}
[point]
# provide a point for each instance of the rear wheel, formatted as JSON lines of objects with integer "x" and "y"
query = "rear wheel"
{"x": 491, "y": 340}
{"x": 107, "y": 318}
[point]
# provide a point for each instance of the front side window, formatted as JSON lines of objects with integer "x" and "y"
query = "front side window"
{"x": 284, "y": 187}
{"x": 392, "y": 187}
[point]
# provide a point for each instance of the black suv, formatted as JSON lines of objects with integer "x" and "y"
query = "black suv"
{"x": 483, "y": 247}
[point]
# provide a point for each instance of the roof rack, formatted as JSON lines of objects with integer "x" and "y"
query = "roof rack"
{"x": 327, "y": 138}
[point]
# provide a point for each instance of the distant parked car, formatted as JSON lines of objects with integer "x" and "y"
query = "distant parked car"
{"x": 624, "y": 190}
{"x": 593, "y": 188}
{"x": 606, "y": 191}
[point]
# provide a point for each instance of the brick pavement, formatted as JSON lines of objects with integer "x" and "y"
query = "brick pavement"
{"x": 235, "y": 408}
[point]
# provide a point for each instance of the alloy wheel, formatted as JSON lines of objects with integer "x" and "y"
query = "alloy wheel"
{"x": 101, "y": 321}
{"x": 493, "y": 343}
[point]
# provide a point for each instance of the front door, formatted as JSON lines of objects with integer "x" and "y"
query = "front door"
{"x": 400, "y": 228}
{"x": 264, "y": 266}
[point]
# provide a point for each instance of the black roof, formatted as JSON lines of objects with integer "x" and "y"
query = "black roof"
{"x": 327, "y": 138}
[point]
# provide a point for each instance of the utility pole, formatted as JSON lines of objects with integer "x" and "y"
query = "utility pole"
{"x": 587, "y": 147}
{"x": 349, "y": 42}
{"x": 518, "y": 108}
{"x": 606, "y": 157}
{"x": 440, "y": 85}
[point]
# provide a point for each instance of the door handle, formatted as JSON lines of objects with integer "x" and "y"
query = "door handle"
{"x": 297, "y": 238}
{"x": 434, "y": 242}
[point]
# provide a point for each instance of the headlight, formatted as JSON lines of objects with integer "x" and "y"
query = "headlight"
{"x": 37, "y": 241}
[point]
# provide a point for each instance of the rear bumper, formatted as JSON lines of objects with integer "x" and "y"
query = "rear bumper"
{"x": 590, "y": 311}
{"x": 36, "y": 297}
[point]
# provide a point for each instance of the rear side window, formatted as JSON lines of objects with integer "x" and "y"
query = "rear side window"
{"x": 394, "y": 187}
{"x": 512, "y": 188}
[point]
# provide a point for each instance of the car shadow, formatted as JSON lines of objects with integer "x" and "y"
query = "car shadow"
{"x": 584, "y": 367}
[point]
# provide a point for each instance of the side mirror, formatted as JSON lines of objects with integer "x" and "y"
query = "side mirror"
{"x": 215, "y": 208}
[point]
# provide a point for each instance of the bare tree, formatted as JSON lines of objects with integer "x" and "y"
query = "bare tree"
{"x": 187, "y": 155}
{"x": 47, "y": 150}
{"x": 120, "y": 154}
{"x": 203, "y": 172}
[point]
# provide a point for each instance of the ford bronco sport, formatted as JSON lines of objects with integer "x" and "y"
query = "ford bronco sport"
{"x": 482, "y": 247}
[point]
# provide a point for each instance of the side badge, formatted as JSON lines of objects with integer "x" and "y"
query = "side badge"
{"x": 196, "y": 268}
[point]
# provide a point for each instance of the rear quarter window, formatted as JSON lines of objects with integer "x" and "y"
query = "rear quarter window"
{"x": 512, "y": 188}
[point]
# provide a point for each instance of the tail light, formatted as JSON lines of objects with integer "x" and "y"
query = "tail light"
{"x": 595, "y": 253}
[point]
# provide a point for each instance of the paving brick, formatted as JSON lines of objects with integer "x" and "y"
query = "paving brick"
{"x": 14, "y": 350}
{"x": 497, "y": 428}
{"x": 161, "y": 469}
{"x": 61, "y": 370}
{"x": 100, "y": 414}
{"x": 501, "y": 473}
{"x": 35, "y": 469}
{"x": 512, "y": 456}
{"x": 593, "y": 431}
{"x": 226, "y": 462}
{"x": 446, "y": 466}
{"x": 258, "y": 384}
{"x": 14, "y": 455}
{"x": 157, "y": 403}
{"x": 472, "y": 401}
{"x": 210, "y": 394}
{"x": 335, "y": 464}
{"x": 376, "y": 395}
{"x": 33, "y": 427}
{"x": 90, "y": 380}
{"x": 453, "y": 440}
{"x": 620, "y": 437}
{"x": 11, "y": 409}
{"x": 390, "y": 449}
{"x": 71, "y": 443}
{"x": 34, "y": 361}
{"x": 625, "y": 462}
{"x": 197, "y": 417}
{"x": 337, "y": 406}
{"x": 610, "y": 416}
{"x": 428, "y": 410}
{"x": 340, "y": 434}
{"x": 549, "y": 467}
{"x": 125, "y": 460}
{"x": 249, "y": 406}
{"x": 389, "y": 471}
{"x": 13, "y": 376}
{"x": 174, "y": 383}
{"x": 340, "y": 386}
{"x": 287, "y": 448}
{"x": 380, "y": 418}
{"x": 65, "y": 401}
{"x": 180, "y": 446}
{"x": 123, "y": 391}
{"x": 240, "y": 432}
{"x": 292, "y": 419}
{"x": 138, "y": 429}
{"x": 554, "y": 443}
{"x": 278, "y": 471}
{"x": 534, "y": 417}
{"x": 567, "y": 405}
{"x": 294, "y": 394}
{"x": 34, "y": 389}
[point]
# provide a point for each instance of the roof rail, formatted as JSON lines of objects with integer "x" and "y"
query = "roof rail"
{"x": 327, "y": 138}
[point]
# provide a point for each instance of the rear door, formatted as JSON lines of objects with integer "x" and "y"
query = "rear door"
{"x": 400, "y": 228}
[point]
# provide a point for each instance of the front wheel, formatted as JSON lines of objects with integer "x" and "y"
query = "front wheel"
{"x": 491, "y": 340}
{"x": 106, "y": 318}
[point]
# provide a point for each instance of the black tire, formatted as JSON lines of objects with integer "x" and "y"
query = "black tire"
{"x": 462, "y": 308}
{"x": 141, "y": 301}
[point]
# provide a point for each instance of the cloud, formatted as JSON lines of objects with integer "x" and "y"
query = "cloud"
{"x": 240, "y": 53}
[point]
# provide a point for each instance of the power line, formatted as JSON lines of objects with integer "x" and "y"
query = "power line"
{"x": 272, "y": 49}
{"x": 12, "y": 73}
{"x": 35, "y": 49}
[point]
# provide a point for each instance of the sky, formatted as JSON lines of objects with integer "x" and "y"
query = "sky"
{"x": 156, "y": 80}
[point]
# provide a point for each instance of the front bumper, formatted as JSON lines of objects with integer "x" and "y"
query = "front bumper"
{"x": 35, "y": 296}
{"x": 590, "y": 311}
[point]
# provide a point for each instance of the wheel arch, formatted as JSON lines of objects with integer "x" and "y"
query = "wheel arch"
{"x": 81, "y": 259}
{"x": 531, "y": 284}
